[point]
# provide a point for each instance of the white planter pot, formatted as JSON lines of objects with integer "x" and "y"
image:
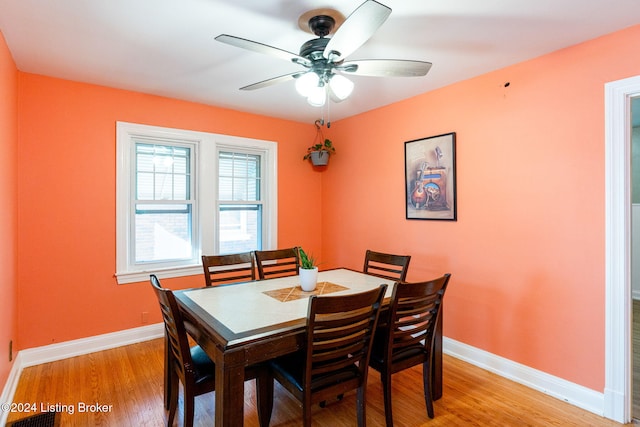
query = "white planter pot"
{"x": 308, "y": 279}
{"x": 320, "y": 158}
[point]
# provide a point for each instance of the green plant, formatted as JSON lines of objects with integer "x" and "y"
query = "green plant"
{"x": 308, "y": 262}
{"x": 326, "y": 146}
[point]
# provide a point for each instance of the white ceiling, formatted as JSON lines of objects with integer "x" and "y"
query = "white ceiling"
{"x": 167, "y": 47}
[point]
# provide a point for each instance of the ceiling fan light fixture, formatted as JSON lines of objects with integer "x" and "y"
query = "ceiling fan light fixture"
{"x": 306, "y": 83}
{"x": 341, "y": 86}
{"x": 317, "y": 96}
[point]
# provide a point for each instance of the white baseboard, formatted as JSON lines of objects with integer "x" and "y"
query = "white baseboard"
{"x": 64, "y": 350}
{"x": 10, "y": 387}
{"x": 559, "y": 388}
{"x": 572, "y": 393}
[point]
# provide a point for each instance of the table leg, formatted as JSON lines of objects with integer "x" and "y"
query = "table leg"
{"x": 229, "y": 390}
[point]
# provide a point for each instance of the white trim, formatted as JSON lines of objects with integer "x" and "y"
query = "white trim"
{"x": 10, "y": 387}
{"x": 205, "y": 147}
{"x": 161, "y": 273}
{"x": 64, "y": 350}
{"x": 559, "y": 388}
{"x": 617, "y": 392}
{"x": 127, "y": 134}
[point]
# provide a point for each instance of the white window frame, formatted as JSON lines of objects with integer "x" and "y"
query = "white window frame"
{"x": 205, "y": 216}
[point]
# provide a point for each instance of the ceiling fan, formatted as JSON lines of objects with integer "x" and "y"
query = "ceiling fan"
{"x": 323, "y": 58}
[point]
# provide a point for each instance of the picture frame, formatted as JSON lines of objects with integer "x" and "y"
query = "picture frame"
{"x": 430, "y": 178}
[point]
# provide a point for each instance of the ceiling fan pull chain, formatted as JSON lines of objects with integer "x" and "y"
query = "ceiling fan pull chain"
{"x": 319, "y": 139}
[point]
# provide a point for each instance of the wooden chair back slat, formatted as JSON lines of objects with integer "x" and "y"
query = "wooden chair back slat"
{"x": 388, "y": 266}
{"x": 219, "y": 269}
{"x": 277, "y": 263}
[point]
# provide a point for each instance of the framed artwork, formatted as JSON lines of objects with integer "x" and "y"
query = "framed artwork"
{"x": 430, "y": 177}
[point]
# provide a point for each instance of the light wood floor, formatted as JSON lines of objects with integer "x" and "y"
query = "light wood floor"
{"x": 130, "y": 380}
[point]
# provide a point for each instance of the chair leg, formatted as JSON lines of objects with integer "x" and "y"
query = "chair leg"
{"x": 426, "y": 380}
{"x": 361, "y": 402}
{"x": 306, "y": 414}
{"x": 167, "y": 372}
{"x": 264, "y": 387}
{"x": 189, "y": 403}
{"x": 167, "y": 395}
{"x": 173, "y": 393}
{"x": 386, "y": 390}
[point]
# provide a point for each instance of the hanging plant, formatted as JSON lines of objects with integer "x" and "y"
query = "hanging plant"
{"x": 322, "y": 148}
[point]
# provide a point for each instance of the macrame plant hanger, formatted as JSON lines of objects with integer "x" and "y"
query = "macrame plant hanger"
{"x": 319, "y": 139}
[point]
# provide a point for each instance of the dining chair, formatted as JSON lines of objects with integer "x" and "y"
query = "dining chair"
{"x": 277, "y": 263}
{"x": 406, "y": 334}
{"x": 219, "y": 269}
{"x": 193, "y": 367}
{"x": 339, "y": 334}
{"x": 388, "y": 266}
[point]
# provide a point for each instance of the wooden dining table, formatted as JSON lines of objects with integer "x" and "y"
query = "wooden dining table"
{"x": 240, "y": 325}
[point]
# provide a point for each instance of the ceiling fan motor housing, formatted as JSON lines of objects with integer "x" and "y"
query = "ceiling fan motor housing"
{"x": 314, "y": 48}
{"x": 321, "y": 25}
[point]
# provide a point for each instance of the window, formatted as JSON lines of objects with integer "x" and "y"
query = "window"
{"x": 239, "y": 202}
{"x": 181, "y": 194}
{"x": 163, "y": 203}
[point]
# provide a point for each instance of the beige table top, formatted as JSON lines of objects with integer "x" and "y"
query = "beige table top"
{"x": 254, "y": 305}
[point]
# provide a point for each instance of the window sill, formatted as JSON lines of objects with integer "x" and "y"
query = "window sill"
{"x": 143, "y": 275}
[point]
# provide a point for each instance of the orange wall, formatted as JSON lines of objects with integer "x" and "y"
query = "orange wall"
{"x": 527, "y": 251}
{"x": 67, "y": 201}
{"x": 8, "y": 213}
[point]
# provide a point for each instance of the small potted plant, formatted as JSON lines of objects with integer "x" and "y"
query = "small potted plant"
{"x": 319, "y": 153}
{"x": 308, "y": 271}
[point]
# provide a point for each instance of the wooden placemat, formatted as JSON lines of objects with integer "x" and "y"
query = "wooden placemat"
{"x": 296, "y": 292}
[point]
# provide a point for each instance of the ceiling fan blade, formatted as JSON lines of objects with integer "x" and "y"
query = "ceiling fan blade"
{"x": 273, "y": 81}
{"x": 356, "y": 29}
{"x": 263, "y": 48}
{"x": 386, "y": 68}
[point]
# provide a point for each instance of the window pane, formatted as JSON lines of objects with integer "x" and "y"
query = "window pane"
{"x": 240, "y": 228}
{"x": 240, "y": 189}
{"x": 180, "y": 187}
{"x": 145, "y": 161}
{"x": 239, "y": 177}
{"x": 145, "y": 186}
{"x": 163, "y": 187}
{"x": 225, "y": 187}
{"x": 163, "y": 172}
{"x": 181, "y": 164}
{"x": 162, "y": 232}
